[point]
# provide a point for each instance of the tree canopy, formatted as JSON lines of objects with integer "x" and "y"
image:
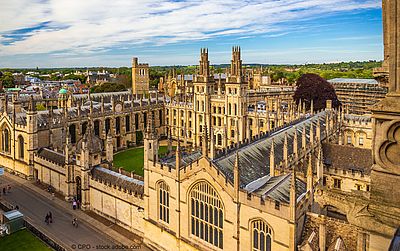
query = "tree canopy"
{"x": 313, "y": 87}
{"x": 108, "y": 87}
{"x": 7, "y": 80}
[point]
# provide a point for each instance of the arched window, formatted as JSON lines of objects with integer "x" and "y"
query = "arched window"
{"x": 136, "y": 121}
{"x": 128, "y": 123}
{"x": 6, "y": 140}
{"x": 262, "y": 236}
{"x": 219, "y": 139}
{"x": 97, "y": 127}
{"x": 107, "y": 125}
{"x": 163, "y": 201}
{"x": 207, "y": 215}
{"x": 21, "y": 147}
{"x": 72, "y": 133}
{"x": 84, "y": 127}
{"x": 117, "y": 125}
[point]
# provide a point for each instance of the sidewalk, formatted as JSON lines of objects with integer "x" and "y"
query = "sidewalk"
{"x": 81, "y": 215}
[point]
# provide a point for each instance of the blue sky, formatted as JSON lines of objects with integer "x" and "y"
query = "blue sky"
{"x": 68, "y": 33}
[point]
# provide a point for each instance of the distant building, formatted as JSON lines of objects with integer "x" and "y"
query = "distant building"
{"x": 140, "y": 77}
{"x": 358, "y": 95}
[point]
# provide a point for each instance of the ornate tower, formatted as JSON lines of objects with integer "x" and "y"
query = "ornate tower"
{"x": 203, "y": 88}
{"x": 235, "y": 100}
{"x": 236, "y": 62}
{"x": 31, "y": 117}
{"x": 140, "y": 77}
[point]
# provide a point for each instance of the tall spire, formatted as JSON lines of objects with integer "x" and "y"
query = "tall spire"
{"x": 236, "y": 62}
{"x": 320, "y": 166}
{"x": 205, "y": 141}
{"x": 309, "y": 174}
{"x": 293, "y": 196}
{"x": 204, "y": 67}
{"x": 272, "y": 159}
{"x": 285, "y": 150}
{"x": 236, "y": 174}
{"x": 295, "y": 143}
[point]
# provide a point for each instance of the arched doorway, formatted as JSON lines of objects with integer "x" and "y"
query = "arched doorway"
{"x": 78, "y": 183}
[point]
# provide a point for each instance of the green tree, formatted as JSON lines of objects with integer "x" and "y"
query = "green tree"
{"x": 7, "y": 80}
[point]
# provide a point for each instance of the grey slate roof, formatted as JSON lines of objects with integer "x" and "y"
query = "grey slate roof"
{"x": 277, "y": 188}
{"x": 186, "y": 159}
{"x": 353, "y": 81}
{"x": 52, "y": 156}
{"x": 254, "y": 158}
{"x": 120, "y": 180}
{"x": 347, "y": 158}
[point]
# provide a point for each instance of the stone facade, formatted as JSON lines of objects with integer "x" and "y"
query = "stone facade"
{"x": 140, "y": 77}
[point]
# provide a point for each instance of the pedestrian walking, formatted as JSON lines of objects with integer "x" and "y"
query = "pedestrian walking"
{"x": 50, "y": 217}
{"x": 46, "y": 219}
{"x": 78, "y": 204}
{"x": 4, "y": 190}
{"x": 74, "y": 204}
{"x": 75, "y": 222}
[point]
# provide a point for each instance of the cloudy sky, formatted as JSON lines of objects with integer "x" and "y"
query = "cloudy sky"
{"x": 66, "y": 33}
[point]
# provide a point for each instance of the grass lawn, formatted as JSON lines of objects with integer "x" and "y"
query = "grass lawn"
{"x": 132, "y": 159}
{"x": 22, "y": 240}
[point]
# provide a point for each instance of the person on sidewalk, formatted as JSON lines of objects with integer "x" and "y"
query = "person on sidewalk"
{"x": 4, "y": 190}
{"x": 74, "y": 204}
{"x": 78, "y": 204}
{"x": 46, "y": 219}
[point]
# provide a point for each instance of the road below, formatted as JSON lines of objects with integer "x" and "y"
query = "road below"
{"x": 35, "y": 206}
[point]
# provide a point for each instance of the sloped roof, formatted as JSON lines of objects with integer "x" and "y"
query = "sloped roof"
{"x": 52, "y": 156}
{"x": 276, "y": 188}
{"x": 186, "y": 159}
{"x": 118, "y": 179}
{"x": 254, "y": 157}
{"x": 354, "y": 81}
{"x": 347, "y": 157}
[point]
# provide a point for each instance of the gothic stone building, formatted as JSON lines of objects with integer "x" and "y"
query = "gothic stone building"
{"x": 291, "y": 184}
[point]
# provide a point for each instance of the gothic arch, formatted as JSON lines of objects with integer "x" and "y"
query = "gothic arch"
{"x": 5, "y": 138}
{"x": 206, "y": 212}
{"x": 163, "y": 201}
{"x": 21, "y": 147}
{"x": 261, "y": 235}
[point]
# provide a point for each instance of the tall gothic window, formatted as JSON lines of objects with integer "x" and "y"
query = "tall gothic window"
{"x": 163, "y": 201}
{"x": 21, "y": 147}
{"x": 117, "y": 125}
{"x": 97, "y": 127}
{"x": 128, "y": 123}
{"x": 207, "y": 215}
{"x": 262, "y": 236}
{"x": 72, "y": 133}
{"x": 6, "y": 140}
{"x": 107, "y": 125}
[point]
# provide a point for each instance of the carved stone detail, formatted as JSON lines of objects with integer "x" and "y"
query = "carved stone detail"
{"x": 387, "y": 140}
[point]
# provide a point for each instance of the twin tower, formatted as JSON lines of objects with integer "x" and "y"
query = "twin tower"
{"x": 141, "y": 79}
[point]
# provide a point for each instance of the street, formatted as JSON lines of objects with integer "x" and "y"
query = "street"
{"x": 35, "y": 206}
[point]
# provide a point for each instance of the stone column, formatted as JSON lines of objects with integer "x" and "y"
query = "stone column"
{"x": 322, "y": 235}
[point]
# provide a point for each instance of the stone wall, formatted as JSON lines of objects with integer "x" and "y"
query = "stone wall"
{"x": 121, "y": 207}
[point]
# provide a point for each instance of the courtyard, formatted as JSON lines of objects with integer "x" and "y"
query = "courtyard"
{"x": 132, "y": 159}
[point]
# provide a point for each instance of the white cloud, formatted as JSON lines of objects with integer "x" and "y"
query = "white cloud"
{"x": 93, "y": 25}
